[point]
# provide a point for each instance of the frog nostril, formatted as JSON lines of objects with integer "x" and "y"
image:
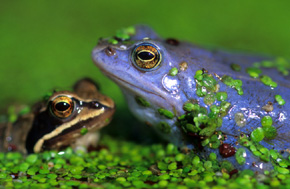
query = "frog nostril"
{"x": 110, "y": 51}
{"x": 172, "y": 41}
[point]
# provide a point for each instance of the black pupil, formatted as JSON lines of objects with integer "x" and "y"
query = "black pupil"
{"x": 62, "y": 106}
{"x": 145, "y": 55}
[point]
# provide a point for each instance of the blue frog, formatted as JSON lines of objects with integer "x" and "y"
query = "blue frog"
{"x": 232, "y": 104}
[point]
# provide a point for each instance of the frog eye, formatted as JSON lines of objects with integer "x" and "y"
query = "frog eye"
{"x": 146, "y": 56}
{"x": 62, "y": 106}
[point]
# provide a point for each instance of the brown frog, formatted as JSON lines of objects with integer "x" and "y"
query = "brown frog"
{"x": 65, "y": 119}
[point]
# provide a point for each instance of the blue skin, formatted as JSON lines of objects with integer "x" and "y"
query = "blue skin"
{"x": 171, "y": 92}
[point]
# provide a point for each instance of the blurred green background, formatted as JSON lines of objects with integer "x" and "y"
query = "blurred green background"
{"x": 47, "y": 44}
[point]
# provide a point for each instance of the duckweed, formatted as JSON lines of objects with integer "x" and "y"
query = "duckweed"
{"x": 282, "y": 170}
{"x": 112, "y": 167}
{"x": 190, "y": 107}
{"x": 122, "y": 34}
{"x": 266, "y": 121}
{"x": 179, "y": 157}
{"x": 113, "y": 41}
{"x": 84, "y": 131}
{"x": 258, "y": 134}
{"x": 280, "y": 100}
{"x": 209, "y": 98}
{"x": 221, "y": 96}
{"x": 125, "y": 33}
{"x": 166, "y": 113}
{"x": 207, "y": 88}
{"x": 236, "y": 67}
{"x": 32, "y": 158}
{"x": 281, "y": 64}
{"x": 142, "y": 102}
{"x": 12, "y": 115}
{"x": 236, "y": 84}
{"x": 212, "y": 156}
{"x": 270, "y": 132}
{"x": 268, "y": 81}
{"x": 205, "y": 83}
{"x": 254, "y": 72}
{"x": 173, "y": 71}
{"x": 262, "y": 152}
{"x": 198, "y": 75}
{"x": 164, "y": 127}
{"x": 172, "y": 166}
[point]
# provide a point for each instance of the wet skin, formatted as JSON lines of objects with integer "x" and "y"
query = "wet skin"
{"x": 121, "y": 63}
{"x": 59, "y": 121}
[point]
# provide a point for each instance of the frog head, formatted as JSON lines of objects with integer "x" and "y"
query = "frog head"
{"x": 139, "y": 61}
{"x": 69, "y": 118}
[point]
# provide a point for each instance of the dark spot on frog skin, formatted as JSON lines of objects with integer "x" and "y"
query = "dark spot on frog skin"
{"x": 235, "y": 67}
{"x": 225, "y": 136}
{"x": 242, "y": 135}
{"x": 148, "y": 123}
{"x": 172, "y": 41}
{"x": 183, "y": 66}
{"x": 233, "y": 172}
{"x": 204, "y": 71}
{"x": 268, "y": 107}
{"x": 149, "y": 182}
{"x": 12, "y": 148}
{"x": 98, "y": 148}
{"x": 14, "y": 175}
{"x": 196, "y": 139}
{"x": 226, "y": 150}
{"x": 254, "y": 164}
{"x": 110, "y": 52}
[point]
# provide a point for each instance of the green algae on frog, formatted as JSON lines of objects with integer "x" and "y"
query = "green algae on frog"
{"x": 194, "y": 97}
{"x": 61, "y": 120}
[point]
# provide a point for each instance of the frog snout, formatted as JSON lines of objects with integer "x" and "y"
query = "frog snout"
{"x": 98, "y": 49}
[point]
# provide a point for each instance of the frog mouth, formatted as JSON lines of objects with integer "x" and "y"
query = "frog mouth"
{"x": 68, "y": 135}
{"x": 120, "y": 80}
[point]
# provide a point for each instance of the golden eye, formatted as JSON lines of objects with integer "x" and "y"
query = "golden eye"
{"x": 146, "y": 56}
{"x": 62, "y": 106}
